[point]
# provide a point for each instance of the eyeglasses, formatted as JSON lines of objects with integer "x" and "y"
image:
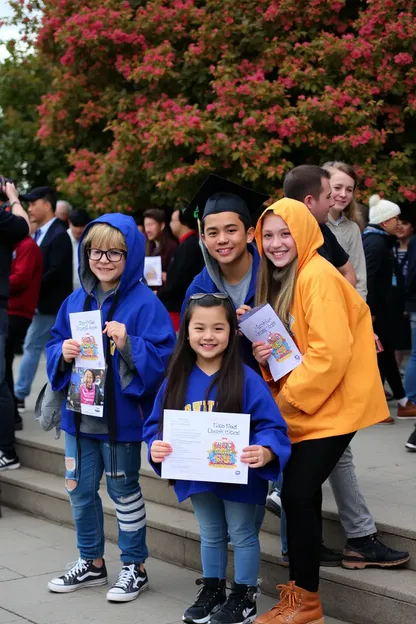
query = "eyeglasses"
{"x": 112, "y": 255}
{"x": 219, "y": 295}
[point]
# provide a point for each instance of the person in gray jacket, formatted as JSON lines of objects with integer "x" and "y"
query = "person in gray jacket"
{"x": 341, "y": 218}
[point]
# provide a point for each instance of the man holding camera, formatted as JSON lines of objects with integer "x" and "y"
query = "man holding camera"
{"x": 14, "y": 227}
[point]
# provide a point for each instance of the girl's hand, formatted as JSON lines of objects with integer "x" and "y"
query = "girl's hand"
{"x": 257, "y": 456}
{"x": 242, "y": 310}
{"x": 261, "y": 352}
{"x": 159, "y": 450}
{"x": 70, "y": 350}
{"x": 117, "y": 332}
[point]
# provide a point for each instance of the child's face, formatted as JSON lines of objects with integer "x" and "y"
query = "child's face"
{"x": 107, "y": 272}
{"x": 89, "y": 379}
{"x": 225, "y": 237}
{"x": 208, "y": 332}
{"x": 278, "y": 244}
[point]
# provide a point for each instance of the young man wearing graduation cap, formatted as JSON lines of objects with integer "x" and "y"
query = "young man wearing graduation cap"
{"x": 224, "y": 209}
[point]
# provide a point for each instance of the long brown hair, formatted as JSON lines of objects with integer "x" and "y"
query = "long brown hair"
{"x": 277, "y": 287}
{"x": 351, "y": 211}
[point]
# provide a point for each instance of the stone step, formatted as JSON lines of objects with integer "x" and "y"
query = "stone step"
{"x": 40, "y": 451}
{"x": 359, "y": 597}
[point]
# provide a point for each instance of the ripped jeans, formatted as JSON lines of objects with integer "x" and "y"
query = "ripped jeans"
{"x": 124, "y": 491}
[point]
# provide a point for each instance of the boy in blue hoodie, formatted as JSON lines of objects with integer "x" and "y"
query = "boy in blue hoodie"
{"x": 231, "y": 259}
{"x": 138, "y": 340}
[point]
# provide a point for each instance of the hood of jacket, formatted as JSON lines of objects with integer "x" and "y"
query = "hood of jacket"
{"x": 303, "y": 227}
{"x": 213, "y": 268}
{"x": 136, "y": 243}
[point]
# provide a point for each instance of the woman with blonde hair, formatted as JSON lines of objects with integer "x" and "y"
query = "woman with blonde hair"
{"x": 343, "y": 218}
{"x": 326, "y": 399}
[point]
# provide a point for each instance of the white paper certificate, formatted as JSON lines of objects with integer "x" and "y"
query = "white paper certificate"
{"x": 86, "y": 330}
{"x": 206, "y": 446}
{"x": 153, "y": 270}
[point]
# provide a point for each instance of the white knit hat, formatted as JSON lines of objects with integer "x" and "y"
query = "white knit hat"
{"x": 382, "y": 210}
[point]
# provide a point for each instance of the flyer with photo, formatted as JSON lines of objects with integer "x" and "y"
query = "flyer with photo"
{"x": 263, "y": 324}
{"x": 153, "y": 270}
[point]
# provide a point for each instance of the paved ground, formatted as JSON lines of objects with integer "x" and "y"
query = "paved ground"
{"x": 32, "y": 551}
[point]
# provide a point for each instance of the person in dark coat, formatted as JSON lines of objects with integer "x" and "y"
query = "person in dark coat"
{"x": 158, "y": 241}
{"x": 187, "y": 261}
{"x": 56, "y": 283}
{"x": 379, "y": 238}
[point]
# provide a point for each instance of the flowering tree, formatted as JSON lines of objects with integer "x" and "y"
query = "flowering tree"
{"x": 149, "y": 97}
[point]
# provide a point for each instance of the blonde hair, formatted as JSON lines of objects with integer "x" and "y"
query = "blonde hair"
{"x": 351, "y": 210}
{"x": 104, "y": 234}
{"x": 277, "y": 287}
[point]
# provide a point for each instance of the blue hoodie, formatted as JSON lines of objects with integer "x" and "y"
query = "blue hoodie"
{"x": 267, "y": 428}
{"x": 204, "y": 283}
{"x": 140, "y": 369}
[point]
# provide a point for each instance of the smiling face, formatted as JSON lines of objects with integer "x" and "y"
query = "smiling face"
{"x": 108, "y": 273}
{"x": 88, "y": 379}
{"x": 404, "y": 229}
{"x": 208, "y": 332}
{"x": 225, "y": 237}
{"x": 342, "y": 186}
{"x": 278, "y": 244}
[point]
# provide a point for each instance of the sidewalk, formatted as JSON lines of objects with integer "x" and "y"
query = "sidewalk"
{"x": 32, "y": 551}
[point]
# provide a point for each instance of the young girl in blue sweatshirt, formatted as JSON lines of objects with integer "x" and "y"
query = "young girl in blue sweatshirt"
{"x": 206, "y": 373}
{"x": 138, "y": 340}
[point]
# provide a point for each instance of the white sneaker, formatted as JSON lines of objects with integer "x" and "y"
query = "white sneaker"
{"x": 130, "y": 583}
{"x": 273, "y": 503}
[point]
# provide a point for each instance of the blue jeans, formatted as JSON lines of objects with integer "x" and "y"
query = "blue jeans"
{"x": 6, "y": 399}
{"x": 410, "y": 377}
{"x": 37, "y": 337}
{"x": 217, "y": 519}
{"x": 283, "y": 523}
{"x": 124, "y": 491}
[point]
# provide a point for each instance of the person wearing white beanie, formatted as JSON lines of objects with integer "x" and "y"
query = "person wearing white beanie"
{"x": 378, "y": 241}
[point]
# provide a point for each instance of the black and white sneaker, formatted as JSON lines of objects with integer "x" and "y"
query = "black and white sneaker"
{"x": 130, "y": 583}
{"x": 240, "y": 607}
{"x": 20, "y": 404}
{"x": 81, "y": 574}
{"x": 211, "y": 597}
{"x": 411, "y": 443}
{"x": 273, "y": 502}
{"x": 8, "y": 463}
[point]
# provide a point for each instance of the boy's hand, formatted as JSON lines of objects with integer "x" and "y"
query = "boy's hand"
{"x": 159, "y": 450}
{"x": 117, "y": 332}
{"x": 70, "y": 350}
{"x": 242, "y": 310}
{"x": 261, "y": 352}
{"x": 256, "y": 456}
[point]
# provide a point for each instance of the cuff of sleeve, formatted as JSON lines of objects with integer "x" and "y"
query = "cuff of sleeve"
{"x": 126, "y": 354}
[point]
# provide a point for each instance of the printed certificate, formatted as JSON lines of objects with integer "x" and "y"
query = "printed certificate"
{"x": 262, "y": 323}
{"x": 206, "y": 446}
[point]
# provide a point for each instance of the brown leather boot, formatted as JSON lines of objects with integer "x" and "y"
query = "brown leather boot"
{"x": 296, "y": 606}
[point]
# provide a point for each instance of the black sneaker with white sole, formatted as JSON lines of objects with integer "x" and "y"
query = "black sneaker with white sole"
{"x": 240, "y": 607}
{"x": 130, "y": 583}
{"x": 81, "y": 574}
{"x": 20, "y": 404}
{"x": 411, "y": 443}
{"x": 211, "y": 597}
{"x": 8, "y": 463}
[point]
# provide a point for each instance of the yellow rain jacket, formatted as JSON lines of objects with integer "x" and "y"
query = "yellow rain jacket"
{"x": 337, "y": 389}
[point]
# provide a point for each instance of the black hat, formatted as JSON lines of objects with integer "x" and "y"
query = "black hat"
{"x": 220, "y": 195}
{"x": 38, "y": 193}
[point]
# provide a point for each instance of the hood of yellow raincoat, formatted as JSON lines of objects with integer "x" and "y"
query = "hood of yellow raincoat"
{"x": 302, "y": 225}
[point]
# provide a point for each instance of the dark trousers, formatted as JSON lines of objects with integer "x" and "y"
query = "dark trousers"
{"x": 18, "y": 326}
{"x": 6, "y": 398}
{"x": 310, "y": 464}
{"x": 387, "y": 364}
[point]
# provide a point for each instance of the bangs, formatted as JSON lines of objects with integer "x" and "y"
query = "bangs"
{"x": 105, "y": 235}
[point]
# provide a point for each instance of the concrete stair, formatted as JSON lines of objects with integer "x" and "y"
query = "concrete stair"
{"x": 360, "y": 597}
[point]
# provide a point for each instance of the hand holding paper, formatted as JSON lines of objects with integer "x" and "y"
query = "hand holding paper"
{"x": 261, "y": 351}
{"x": 117, "y": 332}
{"x": 70, "y": 350}
{"x": 160, "y": 450}
{"x": 256, "y": 456}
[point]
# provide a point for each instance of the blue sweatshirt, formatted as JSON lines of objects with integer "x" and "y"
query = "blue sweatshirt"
{"x": 203, "y": 283}
{"x": 140, "y": 368}
{"x": 267, "y": 428}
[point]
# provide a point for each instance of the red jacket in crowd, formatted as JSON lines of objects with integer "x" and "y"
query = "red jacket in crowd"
{"x": 25, "y": 278}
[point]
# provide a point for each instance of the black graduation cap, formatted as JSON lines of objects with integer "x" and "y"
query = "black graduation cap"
{"x": 220, "y": 195}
